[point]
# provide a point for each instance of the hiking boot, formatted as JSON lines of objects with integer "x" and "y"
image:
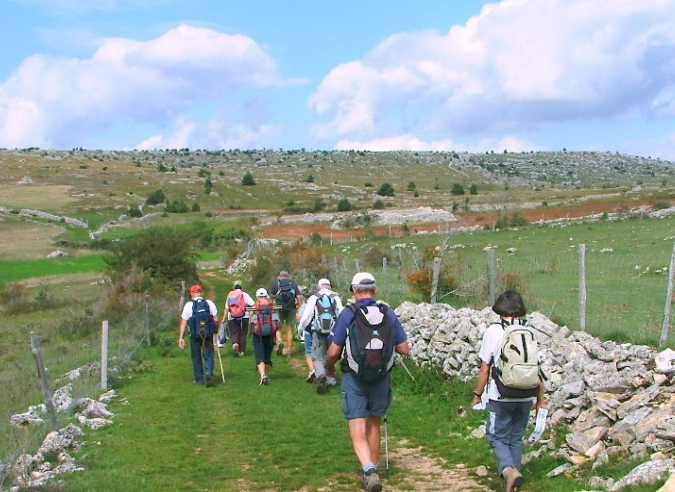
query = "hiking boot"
{"x": 235, "y": 347}
{"x": 209, "y": 380}
{"x": 371, "y": 483}
{"x": 322, "y": 388}
{"x": 264, "y": 380}
{"x": 311, "y": 378}
{"x": 240, "y": 354}
{"x": 280, "y": 348}
{"x": 512, "y": 479}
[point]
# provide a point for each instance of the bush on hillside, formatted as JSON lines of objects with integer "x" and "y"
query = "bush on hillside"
{"x": 386, "y": 189}
{"x": 247, "y": 179}
{"x": 162, "y": 255}
{"x": 156, "y": 197}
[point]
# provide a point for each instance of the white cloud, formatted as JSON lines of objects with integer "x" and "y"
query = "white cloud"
{"x": 515, "y": 68}
{"x": 53, "y": 101}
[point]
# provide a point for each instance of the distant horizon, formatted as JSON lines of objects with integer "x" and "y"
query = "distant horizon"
{"x": 470, "y": 76}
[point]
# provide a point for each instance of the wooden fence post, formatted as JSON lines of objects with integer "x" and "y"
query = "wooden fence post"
{"x": 434, "y": 280}
{"x": 582, "y": 287}
{"x": 491, "y": 275}
{"x": 104, "y": 355}
{"x": 385, "y": 277}
{"x": 42, "y": 373}
{"x": 669, "y": 300}
{"x": 147, "y": 321}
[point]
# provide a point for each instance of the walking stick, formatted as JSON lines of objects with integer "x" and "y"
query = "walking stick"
{"x": 386, "y": 445}
{"x": 222, "y": 373}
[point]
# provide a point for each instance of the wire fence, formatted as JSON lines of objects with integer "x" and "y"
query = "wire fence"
{"x": 80, "y": 367}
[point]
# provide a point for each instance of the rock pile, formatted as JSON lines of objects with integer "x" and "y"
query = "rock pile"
{"x": 53, "y": 457}
{"x": 617, "y": 399}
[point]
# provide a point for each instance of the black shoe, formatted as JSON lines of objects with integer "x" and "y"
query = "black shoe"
{"x": 322, "y": 388}
{"x": 209, "y": 380}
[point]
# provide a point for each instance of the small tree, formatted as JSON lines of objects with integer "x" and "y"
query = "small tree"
{"x": 344, "y": 205}
{"x": 156, "y": 197}
{"x": 196, "y": 207}
{"x": 378, "y": 204}
{"x": 457, "y": 189}
{"x": 309, "y": 179}
{"x": 412, "y": 186}
{"x": 474, "y": 189}
{"x": 134, "y": 211}
{"x": 386, "y": 189}
{"x": 248, "y": 180}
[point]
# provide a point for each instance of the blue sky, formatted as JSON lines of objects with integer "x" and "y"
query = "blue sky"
{"x": 516, "y": 75}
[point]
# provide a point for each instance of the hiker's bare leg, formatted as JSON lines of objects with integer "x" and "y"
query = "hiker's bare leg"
{"x": 289, "y": 337}
{"x": 373, "y": 436}
{"x": 267, "y": 369}
{"x": 262, "y": 368}
{"x": 357, "y": 431}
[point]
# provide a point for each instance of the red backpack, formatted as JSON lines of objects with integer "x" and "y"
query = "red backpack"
{"x": 236, "y": 304}
{"x": 264, "y": 323}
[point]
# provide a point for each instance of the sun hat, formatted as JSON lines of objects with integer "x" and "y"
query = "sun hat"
{"x": 237, "y": 284}
{"x": 261, "y": 292}
{"x": 195, "y": 288}
{"x": 323, "y": 281}
{"x": 283, "y": 274}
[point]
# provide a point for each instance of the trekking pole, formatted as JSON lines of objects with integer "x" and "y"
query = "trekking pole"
{"x": 386, "y": 445}
{"x": 222, "y": 373}
{"x": 399, "y": 358}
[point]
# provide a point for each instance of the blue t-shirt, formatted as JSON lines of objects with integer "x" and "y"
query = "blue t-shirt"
{"x": 338, "y": 334}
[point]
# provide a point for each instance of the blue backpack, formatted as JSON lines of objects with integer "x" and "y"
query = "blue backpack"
{"x": 285, "y": 295}
{"x": 325, "y": 313}
{"x": 201, "y": 322}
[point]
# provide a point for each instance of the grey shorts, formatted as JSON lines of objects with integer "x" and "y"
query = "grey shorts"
{"x": 360, "y": 400}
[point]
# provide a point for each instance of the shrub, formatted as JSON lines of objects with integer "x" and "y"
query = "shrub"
{"x": 518, "y": 219}
{"x": 156, "y": 197}
{"x": 344, "y": 205}
{"x": 247, "y": 179}
{"x": 474, "y": 189}
{"x": 319, "y": 205}
{"x": 661, "y": 205}
{"x": 309, "y": 179}
{"x": 134, "y": 211}
{"x": 176, "y": 207}
{"x": 378, "y": 204}
{"x": 386, "y": 189}
{"x": 457, "y": 189}
{"x": 412, "y": 186}
{"x": 162, "y": 255}
{"x": 196, "y": 207}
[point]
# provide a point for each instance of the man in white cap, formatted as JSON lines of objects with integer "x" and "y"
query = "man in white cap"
{"x": 366, "y": 334}
{"x": 319, "y": 317}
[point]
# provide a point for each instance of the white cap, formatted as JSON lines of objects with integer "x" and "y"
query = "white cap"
{"x": 261, "y": 292}
{"x": 363, "y": 278}
{"x": 323, "y": 281}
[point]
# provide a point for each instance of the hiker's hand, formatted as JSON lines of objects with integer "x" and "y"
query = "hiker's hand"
{"x": 330, "y": 372}
{"x": 181, "y": 343}
{"x": 476, "y": 400}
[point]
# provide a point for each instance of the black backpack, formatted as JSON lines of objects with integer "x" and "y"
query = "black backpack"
{"x": 285, "y": 295}
{"x": 201, "y": 322}
{"x": 370, "y": 342}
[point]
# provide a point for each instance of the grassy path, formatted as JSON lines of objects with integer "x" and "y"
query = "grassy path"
{"x": 172, "y": 435}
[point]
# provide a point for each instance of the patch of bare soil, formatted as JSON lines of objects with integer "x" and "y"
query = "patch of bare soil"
{"x": 465, "y": 219}
{"x": 415, "y": 471}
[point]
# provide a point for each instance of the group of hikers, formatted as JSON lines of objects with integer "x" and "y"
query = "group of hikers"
{"x": 364, "y": 336}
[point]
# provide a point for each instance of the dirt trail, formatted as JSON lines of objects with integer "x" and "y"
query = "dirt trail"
{"x": 470, "y": 219}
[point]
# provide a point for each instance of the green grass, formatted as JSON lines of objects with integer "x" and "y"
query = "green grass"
{"x": 12, "y": 271}
{"x": 170, "y": 435}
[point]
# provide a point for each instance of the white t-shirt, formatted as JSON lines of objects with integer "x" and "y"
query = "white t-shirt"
{"x": 489, "y": 348}
{"x": 187, "y": 309}
{"x": 307, "y": 310}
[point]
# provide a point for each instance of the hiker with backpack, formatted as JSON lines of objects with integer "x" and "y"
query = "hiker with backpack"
{"x": 306, "y": 336}
{"x": 201, "y": 315}
{"x": 511, "y": 375}
{"x": 288, "y": 297}
{"x": 264, "y": 328}
{"x": 236, "y": 304}
{"x": 318, "y": 319}
{"x": 367, "y": 335}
